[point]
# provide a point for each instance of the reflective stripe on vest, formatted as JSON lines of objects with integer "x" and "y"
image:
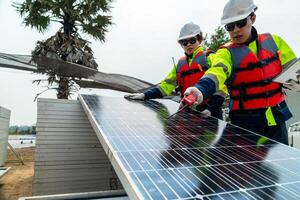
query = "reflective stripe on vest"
{"x": 251, "y": 85}
{"x": 188, "y": 76}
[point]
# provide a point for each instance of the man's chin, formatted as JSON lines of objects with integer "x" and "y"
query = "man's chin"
{"x": 239, "y": 41}
{"x": 190, "y": 52}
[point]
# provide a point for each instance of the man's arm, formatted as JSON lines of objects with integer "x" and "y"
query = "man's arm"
{"x": 164, "y": 88}
{"x": 286, "y": 54}
{"x": 215, "y": 77}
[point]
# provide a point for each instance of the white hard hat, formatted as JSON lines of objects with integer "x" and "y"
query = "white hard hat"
{"x": 189, "y": 30}
{"x": 236, "y": 10}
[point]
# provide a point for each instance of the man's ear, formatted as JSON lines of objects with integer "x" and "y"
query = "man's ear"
{"x": 253, "y": 18}
{"x": 199, "y": 38}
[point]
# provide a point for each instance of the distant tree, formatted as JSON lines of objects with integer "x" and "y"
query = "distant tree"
{"x": 33, "y": 130}
{"x": 13, "y": 130}
{"x": 22, "y": 130}
{"x": 86, "y": 16}
{"x": 217, "y": 39}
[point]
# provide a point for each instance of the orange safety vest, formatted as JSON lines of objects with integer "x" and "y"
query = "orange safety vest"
{"x": 251, "y": 85}
{"x": 188, "y": 76}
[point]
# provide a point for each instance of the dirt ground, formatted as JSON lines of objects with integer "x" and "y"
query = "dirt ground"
{"x": 17, "y": 182}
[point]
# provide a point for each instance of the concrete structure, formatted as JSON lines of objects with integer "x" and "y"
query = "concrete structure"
{"x": 4, "y": 125}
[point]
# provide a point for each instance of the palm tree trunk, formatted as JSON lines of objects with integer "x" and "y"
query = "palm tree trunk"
{"x": 63, "y": 88}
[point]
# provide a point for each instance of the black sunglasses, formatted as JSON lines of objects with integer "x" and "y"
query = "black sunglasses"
{"x": 241, "y": 23}
{"x": 185, "y": 42}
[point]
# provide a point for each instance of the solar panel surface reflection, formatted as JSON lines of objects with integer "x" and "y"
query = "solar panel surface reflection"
{"x": 190, "y": 157}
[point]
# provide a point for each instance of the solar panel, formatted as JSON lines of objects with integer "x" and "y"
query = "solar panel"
{"x": 188, "y": 156}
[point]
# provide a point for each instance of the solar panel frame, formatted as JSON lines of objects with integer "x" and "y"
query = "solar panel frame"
{"x": 124, "y": 154}
{"x": 126, "y": 181}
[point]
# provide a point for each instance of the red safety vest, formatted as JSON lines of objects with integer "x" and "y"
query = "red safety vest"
{"x": 251, "y": 85}
{"x": 188, "y": 76}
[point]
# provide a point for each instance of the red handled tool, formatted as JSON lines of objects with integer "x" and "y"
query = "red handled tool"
{"x": 189, "y": 100}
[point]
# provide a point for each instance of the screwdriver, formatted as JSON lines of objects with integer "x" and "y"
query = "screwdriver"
{"x": 187, "y": 101}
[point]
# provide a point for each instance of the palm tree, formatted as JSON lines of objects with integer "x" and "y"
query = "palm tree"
{"x": 86, "y": 16}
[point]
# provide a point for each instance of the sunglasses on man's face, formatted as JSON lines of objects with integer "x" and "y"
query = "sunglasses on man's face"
{"x": 185, "y": 42}
{"x": 241, "y": 23}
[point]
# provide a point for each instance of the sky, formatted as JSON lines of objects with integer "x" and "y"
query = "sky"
{"x": 141, "y": 43}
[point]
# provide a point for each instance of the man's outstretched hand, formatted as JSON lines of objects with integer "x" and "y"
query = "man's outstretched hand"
{"x": 135, "y": 96}
{"x": 197, "y": 96}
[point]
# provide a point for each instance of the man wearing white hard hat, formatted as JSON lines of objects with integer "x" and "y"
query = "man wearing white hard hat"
{"x": 188, "y": 70}
{"x": 247, "y": 65}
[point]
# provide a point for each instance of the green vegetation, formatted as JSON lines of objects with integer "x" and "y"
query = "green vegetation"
{"x": 214, "y": 41}
{"x": 22, "y": 130}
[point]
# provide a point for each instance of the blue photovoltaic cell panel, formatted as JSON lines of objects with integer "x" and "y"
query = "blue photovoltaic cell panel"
{"x": 187, "y": 156}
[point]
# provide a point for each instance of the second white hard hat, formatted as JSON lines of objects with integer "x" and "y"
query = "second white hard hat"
{"x": 236, "y": 10}
{"x": 189, "y": 30}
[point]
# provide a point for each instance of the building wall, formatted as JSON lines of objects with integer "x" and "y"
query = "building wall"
{"x": 4, "y": 125}
{"x": 69, "y": 157}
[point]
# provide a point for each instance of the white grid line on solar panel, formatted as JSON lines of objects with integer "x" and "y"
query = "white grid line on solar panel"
{"x": 182, "y": 177}
{"x": 264, "y": 193}
{"x": 185, "y": 141}
{"x": 283, "y": 150}
{"x": 191, "y": 157}
{"x": 191, "y": 176}
{"x": 264, "y": 172}
{"x": 229, "y": 195}
{"x": 260, "y": 174}
{"x": 294, "y": 168}
{"x": 181, "y": 180}
{"x": 106, "y": 103}
{"x": 211, "y": 124}
{"x": 141, "y": 174}
{"x": 128, "y": 165}
{"x": 241, "y": 177}
{"x": 294, "y": 190}
{"x": 153, "y": 181}
{"x": 174, "y": 166}
{"x": 144, "y": 172}
{"x": 150, "y": 186}
{"x": 176, "y": 143}
{"x": 251, "y": 191}
{"x": 166, "y": 130}
{"x": 236, "y": 168}
{"x": 147, "y": 131}
{"x": 209, "y": 181}
{"x": 219, "y": 151}
{"x": 177, "y": 163}
{"x": 282, "y": 194}
{"x": 118, "y": 113}
{"x": 142, "y": 190}
{"x": 140, "y": 166}
{"x": 143, "y": 128}
{"x": 134, "y": 159}
{"x": 119, "y": 138}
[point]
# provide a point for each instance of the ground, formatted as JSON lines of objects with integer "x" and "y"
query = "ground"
{"x": 17, "y": 182}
